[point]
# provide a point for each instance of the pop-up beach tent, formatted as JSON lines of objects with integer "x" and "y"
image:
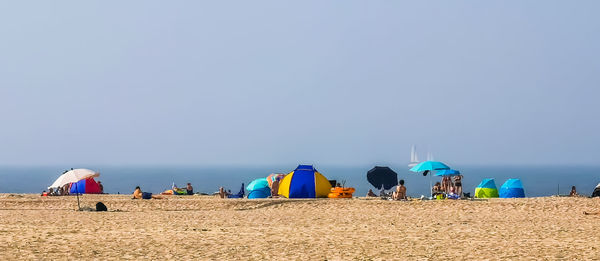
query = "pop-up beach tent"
{"x": 85, "y": 186}
{"x": 259, "y": 188}
{"x": 596, "y": 192}
{"x": 512, "y": 188}
{"x": 486, "y": 189}
{"x": 304, "y": 182}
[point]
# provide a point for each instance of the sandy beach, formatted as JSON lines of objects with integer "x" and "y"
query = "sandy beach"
{"x": 203, "y": 227}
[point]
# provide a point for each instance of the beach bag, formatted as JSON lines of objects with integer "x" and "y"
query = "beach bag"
{"x": 146, "y": 195}
{"x": 101, "y": 207}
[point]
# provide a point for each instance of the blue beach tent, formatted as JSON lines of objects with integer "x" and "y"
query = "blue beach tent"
{"x": 259, "y": 193}
{"x": 304, "y": 182}
{"x": 486, "y": 189}
{"x": 259, "y": 188}
{"x": 512, "y": 188}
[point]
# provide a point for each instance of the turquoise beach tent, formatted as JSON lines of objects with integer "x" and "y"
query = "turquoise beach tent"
{"x": 486, "y": 189}
{"x": 259, "y": 188}
{"x": 512, "y": 188}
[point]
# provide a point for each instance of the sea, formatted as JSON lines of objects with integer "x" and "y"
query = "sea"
{"x": 537, "y": 180}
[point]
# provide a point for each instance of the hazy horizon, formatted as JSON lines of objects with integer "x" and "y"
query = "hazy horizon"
{"x": 280, "y": 83}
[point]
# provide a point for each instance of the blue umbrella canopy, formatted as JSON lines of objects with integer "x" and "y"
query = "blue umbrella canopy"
{"x": 447, "y": 172}
{"x": 429, "y": 165}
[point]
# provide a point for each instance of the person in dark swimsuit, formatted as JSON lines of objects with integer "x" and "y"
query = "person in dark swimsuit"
{"x": 458, "y": 185}
{"x": 189, "y": 189}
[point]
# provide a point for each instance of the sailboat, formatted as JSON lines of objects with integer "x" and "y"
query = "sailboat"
{"x": 414, "y": 160}
{"x": 429, "y": 156}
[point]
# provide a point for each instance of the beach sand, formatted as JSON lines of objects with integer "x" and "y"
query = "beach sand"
{"x": 203, "y": 227}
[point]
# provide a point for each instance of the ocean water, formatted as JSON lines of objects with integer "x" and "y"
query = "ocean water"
{"x": 538, "y": 181}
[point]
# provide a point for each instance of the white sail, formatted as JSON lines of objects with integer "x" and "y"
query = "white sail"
{"x": 414, "y": 159}
{"x": 429, "y": 156}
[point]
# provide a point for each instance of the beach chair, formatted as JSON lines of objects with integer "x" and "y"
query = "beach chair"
{"x": 239, "y": 194}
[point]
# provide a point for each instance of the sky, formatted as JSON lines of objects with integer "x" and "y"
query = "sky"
{"x": 287, "y": 82}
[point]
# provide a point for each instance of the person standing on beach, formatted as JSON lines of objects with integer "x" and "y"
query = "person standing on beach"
{"x": 101, "y": 187}
{"x": 444, "y": 186}
{"x": 458, "y": 185}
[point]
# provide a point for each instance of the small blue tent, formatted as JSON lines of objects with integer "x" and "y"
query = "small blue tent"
{"x": 259, "y": 188}
{"x": 512, "y": 188}
{"x": 486, "y": 189}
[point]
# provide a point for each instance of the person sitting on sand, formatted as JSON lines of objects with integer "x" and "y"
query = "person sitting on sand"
{"x": 400, "y": 193}
{"x": 65, "y": 189}
{"x": 138, "y": 194}
{"x": 573, "y": 192}
{"x": 222, "y": 192}
{"x": 371, "y": 193}
{"x": 452, "y": 194}
{"x": 189, "y": 189}
{"x": 437, "y": 189}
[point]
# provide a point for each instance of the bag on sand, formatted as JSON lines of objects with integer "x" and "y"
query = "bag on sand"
{"x": 101, "y": 207}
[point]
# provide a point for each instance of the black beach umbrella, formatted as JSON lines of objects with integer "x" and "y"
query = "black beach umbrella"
{"x": 382, "y": 176}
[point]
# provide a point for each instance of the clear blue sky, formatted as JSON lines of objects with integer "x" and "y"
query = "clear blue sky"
{"x": 280, "y": 82}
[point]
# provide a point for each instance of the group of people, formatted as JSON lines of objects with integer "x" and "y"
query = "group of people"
{"x": 189, "y": 190}
{"x": 450, "y": 186}
{"x": 139, "y": 194}
{"x": 398, "y": 194}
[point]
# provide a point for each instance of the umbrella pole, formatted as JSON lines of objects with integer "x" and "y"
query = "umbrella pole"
{"x": 431, "y": 184}
{"x": 77, "y": 193}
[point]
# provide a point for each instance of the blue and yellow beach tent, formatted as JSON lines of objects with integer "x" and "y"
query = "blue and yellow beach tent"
{"x": 486, "y": 189}
{"x": 304, "y": 182}
{"x": 512, "y": 188}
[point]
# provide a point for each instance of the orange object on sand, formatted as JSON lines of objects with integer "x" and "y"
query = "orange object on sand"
{"x": 339, "y": 192}
{"x": 167, "y": 192}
